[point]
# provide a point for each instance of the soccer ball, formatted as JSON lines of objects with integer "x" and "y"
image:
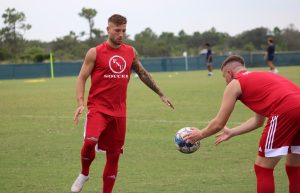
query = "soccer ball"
{"x": 181, "y": 144}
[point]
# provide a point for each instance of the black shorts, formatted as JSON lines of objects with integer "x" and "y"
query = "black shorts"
{"x": 270, "y": 57}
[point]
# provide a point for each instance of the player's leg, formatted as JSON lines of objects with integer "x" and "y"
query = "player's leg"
{"x": 87, "y": 154}
{"x": 209, "y": 69}
{"x": 268, "y": 156}
{"x": 110, "y": 171}
{"x": 293, "y": 172}
{"x": 281, "y": 137}
{"x": 95, "y": 124}
{"x": 87, "y": 157}
{"x": 264, "y": 168}
{"x": 112, "y": 140}
{"x": 272, "y": 66}
{"x": 293, "y": 160}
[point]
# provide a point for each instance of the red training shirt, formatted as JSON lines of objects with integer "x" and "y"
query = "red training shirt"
{"x": 109, "y": 79}
{"x": 267, "y": 93}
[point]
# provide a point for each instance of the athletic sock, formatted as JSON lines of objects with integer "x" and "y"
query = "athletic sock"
{"x": 293, "y": 172}
{"x": 87, "y": 155}
{"x": 264, "y": 179}
{"x": 110, "y": 171}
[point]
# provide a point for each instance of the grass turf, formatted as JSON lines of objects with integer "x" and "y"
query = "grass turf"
{"x": 40, "y": 145}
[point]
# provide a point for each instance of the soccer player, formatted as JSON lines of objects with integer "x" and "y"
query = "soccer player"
{"x": 270, "y": 56}
{"x": 269, "y": 96}
{"x": 209, "y": 59}
{"x": 109, "y": 65}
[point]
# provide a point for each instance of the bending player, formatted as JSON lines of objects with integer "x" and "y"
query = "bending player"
{"x": 269, "y": 96}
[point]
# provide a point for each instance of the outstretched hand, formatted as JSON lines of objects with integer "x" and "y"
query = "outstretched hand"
{"x": 193, "y": 136}
{"x": 224, "y": 135}
{"x": 78, "y": 112}
{"x": 167, "y": 101}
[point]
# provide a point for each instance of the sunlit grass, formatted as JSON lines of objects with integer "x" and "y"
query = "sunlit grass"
{"x": 40, "y": 145}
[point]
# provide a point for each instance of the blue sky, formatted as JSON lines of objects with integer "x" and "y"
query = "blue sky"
{"x": 55, "y": 18}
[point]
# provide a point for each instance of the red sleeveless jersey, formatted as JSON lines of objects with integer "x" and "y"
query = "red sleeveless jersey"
{"x": 109, "y": 79}
{"x": 267, "y": 93}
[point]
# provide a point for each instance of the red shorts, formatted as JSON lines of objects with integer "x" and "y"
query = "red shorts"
{"x": 281, "y": 135}
{"x": 110, "y": 131}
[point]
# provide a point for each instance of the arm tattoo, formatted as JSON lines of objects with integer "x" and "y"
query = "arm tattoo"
{"x": 144, "y": 74}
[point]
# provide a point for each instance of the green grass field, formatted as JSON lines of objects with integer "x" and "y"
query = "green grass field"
{"x": 40, "y": 145}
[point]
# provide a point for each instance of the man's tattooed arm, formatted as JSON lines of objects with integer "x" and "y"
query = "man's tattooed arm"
{"x": 144, "y": 74}
{"x": 148, "y": 80}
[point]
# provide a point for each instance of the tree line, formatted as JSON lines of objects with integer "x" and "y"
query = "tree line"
{"x": 14, "y": 48}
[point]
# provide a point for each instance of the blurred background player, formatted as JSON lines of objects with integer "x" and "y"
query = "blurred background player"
{"x": 269, "y": 96}
{"x": 109, "y": 65}
{"x": 209, "y": 59}
{"x": 270, "y": 54}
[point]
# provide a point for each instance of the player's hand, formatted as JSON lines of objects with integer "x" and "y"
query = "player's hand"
{"x": 193, "y": 136}
{"x": 78, "y": 112}
{"x": 167, "y": 101}
{"x": 224, "y": 135}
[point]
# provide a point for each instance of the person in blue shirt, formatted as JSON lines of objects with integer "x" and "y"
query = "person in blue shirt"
{"x": 270, "y": 54}
{"x": 209, "y": 59}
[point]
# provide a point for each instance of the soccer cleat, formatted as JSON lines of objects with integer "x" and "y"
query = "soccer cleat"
{"x": 78, "y": 184}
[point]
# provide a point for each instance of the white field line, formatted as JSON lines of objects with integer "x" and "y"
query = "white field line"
{"x": 128, "y": 119}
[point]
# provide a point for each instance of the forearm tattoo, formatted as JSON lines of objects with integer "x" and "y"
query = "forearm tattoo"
{"x": 144, "y": 75}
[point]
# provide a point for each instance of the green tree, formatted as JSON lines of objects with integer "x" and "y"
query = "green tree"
{"x": 249, "y": 47}
{"x": 276, "y": 31}
{"x": 11, "y": 38}
{"x": 33, "y": 54}
{"x": 182, "y": 37}
{"x": 257, "y": 37}
{"x": 69, "y": 48}
{"x": 291, "y": 37}
{"x": 145, "y": 42}
{"x": 89, "y": 14}
{"x": 14, "y": 20}
{"x": 168, "y": 42}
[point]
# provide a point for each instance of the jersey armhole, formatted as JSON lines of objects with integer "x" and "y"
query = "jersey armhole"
{"x": 97, "y": 53}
